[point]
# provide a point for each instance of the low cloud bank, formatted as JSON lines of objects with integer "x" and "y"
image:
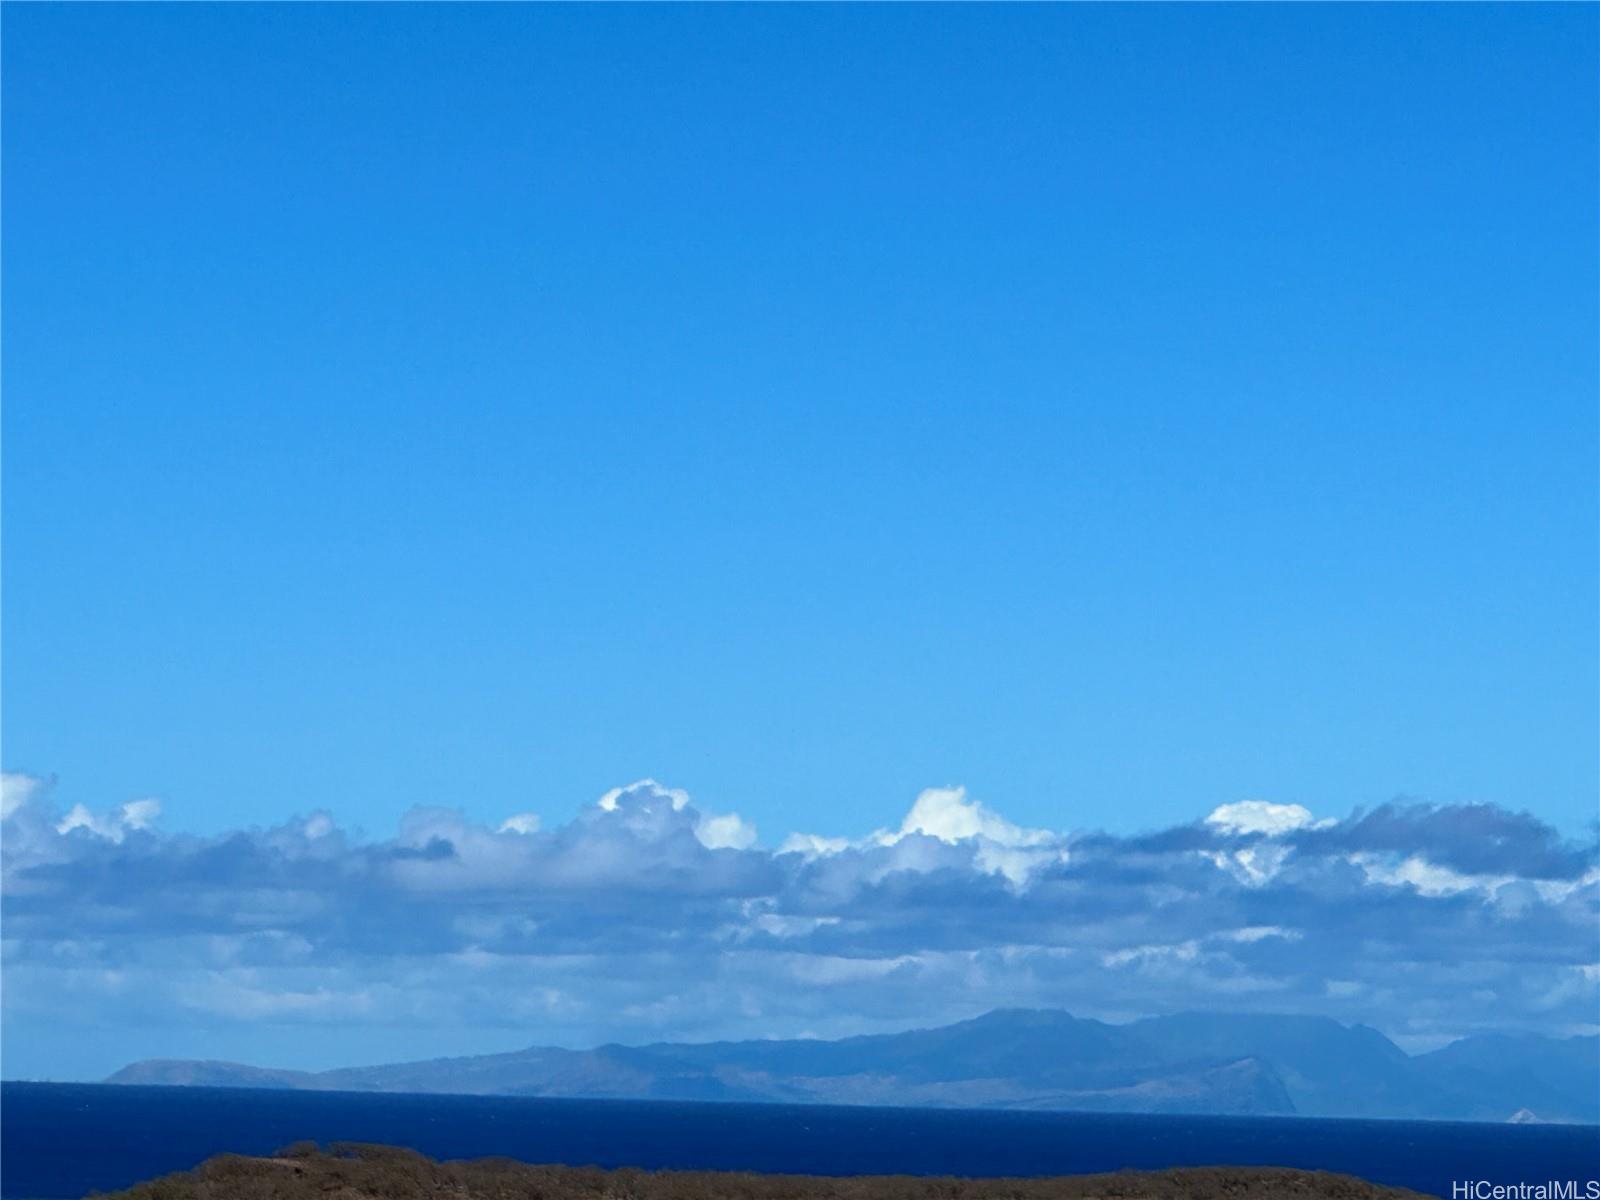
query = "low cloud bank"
{"x": 644, "y": 918}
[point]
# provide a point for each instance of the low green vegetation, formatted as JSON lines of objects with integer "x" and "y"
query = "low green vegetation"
{"x": 350, "y": 1171}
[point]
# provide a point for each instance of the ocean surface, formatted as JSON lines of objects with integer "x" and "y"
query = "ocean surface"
{"x": 59, "y": 1141}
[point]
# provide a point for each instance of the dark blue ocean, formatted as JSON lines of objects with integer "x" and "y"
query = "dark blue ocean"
{"x": 61, "y": 1140}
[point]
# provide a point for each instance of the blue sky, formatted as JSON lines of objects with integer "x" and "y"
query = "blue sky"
{"x": 1118, "y": 412}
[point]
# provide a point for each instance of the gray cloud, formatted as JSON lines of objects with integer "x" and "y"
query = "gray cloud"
{"x": 645, "y": 918}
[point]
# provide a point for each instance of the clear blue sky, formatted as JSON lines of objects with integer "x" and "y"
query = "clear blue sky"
{"x": 1118, "y": 411}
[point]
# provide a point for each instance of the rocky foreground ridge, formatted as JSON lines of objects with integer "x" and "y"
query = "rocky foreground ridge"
{"x": 363, "y": 1172}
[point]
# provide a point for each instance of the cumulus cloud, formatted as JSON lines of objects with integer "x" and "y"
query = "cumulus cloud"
{"x": 947, "y": 814}
{"x": 642, "y": 916}
{"x": 676, "y": 798}
{"x": 1262, "y": 816}
{"x": 991, "y": 844}
{"x": 649, "y": 802}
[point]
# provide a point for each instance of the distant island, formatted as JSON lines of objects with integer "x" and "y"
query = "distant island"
{"x": 365, "y": 1172}
{"x": 1192, "y": 1063}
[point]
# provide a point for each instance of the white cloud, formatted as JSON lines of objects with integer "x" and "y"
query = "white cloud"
{"x": 1251, "y": 865}
{"x": 1257, "y": 933}
{"x": 17, "y": 789}
{"x": 678, "y": 798}
{"x": 947, "y": 814}
{"x": 140, "y": 814}
{"x": 647, "y": 803}
{"x": 1017, "y": 864}
{"x": 114, "y": 825}
{"x": 814, "y": 846}
{"x": 1183, "y": 952}
{"x": 640, "y": 905}
{"x": 779, "y": 925}
{"x": 1264, "y": 817}
{"x": 726, "y": 832}
{"x": 1428, "y": 878}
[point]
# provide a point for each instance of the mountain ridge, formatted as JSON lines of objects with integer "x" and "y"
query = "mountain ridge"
{"x": 1045, "y": 1059}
